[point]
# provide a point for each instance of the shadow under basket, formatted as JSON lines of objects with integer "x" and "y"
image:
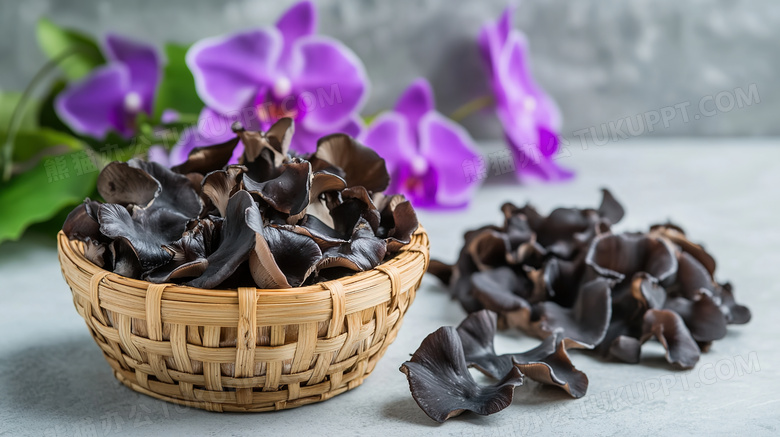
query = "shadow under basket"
{"x": 244, "y": 350}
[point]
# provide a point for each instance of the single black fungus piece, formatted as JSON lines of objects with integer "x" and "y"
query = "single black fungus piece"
{"x": 735, "y": 313}
{"x": 323, "y": 182}
{"x": 355, "y": 204}
{"x": 211, "y": 227}
{"x": 669, "y": 329}
{"x": 625, "y": 328}
{"x": 124, "y": 259}
{"x": 442, "y": 271}
{"x": 204, "y": 160}
{"x": 502, "y": 291}
{"x": 262, "y": 265}
{"x": 702, "y": 316}
{"x": 265, "y": 152}
{"x": 281, "y": 258}
{"x": 236, "y": 242}
{"x": 279, "y": 251}
{"x": 146, "y": 232}
{"x": 516, "y": 223}
{"x": 460, "y": 285}
{"x": 691, "y": 277}
{"x": 125, "y": 185}
{"x": 97, "y": 253}
{"x": 322, "y": 234}
{"x": 266, "y": 166}
{"x": 287, "y": 193}
{"x": 176, "y": 193}
{"x": 646, "y": 289}
{"x": 522, "y": 251}
{"x": 610, "y": 208}
{"x": 547, "y": 363}
{"x": 277, "y": 139}
{"x": 488, "y": 249}
{"x": 585, "y": 324}
{"x": 676, "y": 235}
{"x": 562, "y": 279}
{"x": 325, "y": 187}
{"x": 558, "y": 231}
{"x": 476, "y": 334}
{"x": 364, "y": 251}
{"x": 621, "y": 256}
{"x": 82, "y": 224}
{"x": 218, "y": 186}
{"x": 357, "y": 164}
{"x": 295, "y": 254}
{"x": 398, "y": 222}
{"x": 625, "y": 348}
{"x": 502, "y": 284}
{"x": 442, "y": 386}
{"x": 189, "y": 259}
{"x": 196, "y": 180}
{"x": 280, "y": 134}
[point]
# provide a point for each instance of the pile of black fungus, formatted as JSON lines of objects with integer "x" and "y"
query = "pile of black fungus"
{"x": 274, "y": 220}
{"x": 568, "y": 279}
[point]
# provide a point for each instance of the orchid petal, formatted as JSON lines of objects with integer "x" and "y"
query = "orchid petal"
{"x": 389, "y": 135}
{"x": 514, "y": 69}
{"x": 143, "y": 62}
{"x": 416, "y": 101}
{"x": 159, "y": 155}
{"x": 447, "y": 146}
{"x": 298, "y": 21}
{"x": 93, "y": 106}
{"x": 230, "y": 70}
{"x": 352, "y": 127}
{"x": 332, "y": 82}
{"x": 492, "y": 37}
{"x": 530, "y": 118}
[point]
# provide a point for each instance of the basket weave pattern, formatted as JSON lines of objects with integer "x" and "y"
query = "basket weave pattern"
{"x": 244, "y": 350}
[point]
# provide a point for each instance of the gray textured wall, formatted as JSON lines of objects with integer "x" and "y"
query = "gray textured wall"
{"x": 602, "y": 60}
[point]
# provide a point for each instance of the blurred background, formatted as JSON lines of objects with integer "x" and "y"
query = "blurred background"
{"x": 676, "y": 61}
{"x": 679, "y": 93}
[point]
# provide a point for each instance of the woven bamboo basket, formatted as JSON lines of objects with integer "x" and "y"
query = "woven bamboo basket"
{"x": 245, "y": 350}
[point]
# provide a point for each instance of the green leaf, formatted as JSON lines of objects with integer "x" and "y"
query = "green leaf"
{"x": 47, "y": 115}
{"x": 56, "y": 41}
{"x": 8, "y": 103}
{"x": 28, "y": 144}
{"x": 177, "y": 88}
{"x": 54, "y": 183}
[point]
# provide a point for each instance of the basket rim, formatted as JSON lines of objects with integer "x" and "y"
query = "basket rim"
{"x": 74, "y": 249}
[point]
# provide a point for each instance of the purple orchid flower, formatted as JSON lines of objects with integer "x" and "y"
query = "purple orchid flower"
{"x": 112, "y": 95}
{"x": 425, "y": 152}
{"x": 256, "y": 77}
{"x": 530, "y": 118}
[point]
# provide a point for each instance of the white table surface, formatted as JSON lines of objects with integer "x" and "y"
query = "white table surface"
{"x": 726, "y": 193}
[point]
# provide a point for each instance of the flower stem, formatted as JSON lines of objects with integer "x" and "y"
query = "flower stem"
{"x": 471, "y": 107}
{"x": 6, "y": 153}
